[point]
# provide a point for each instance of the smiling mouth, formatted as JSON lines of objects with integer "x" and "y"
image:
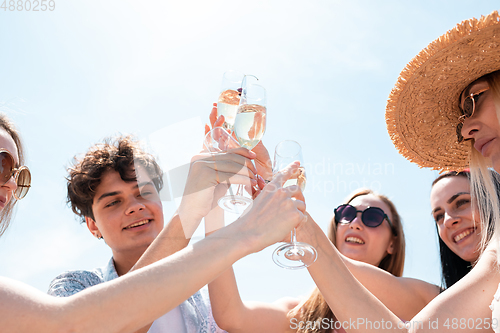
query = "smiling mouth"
{"x": 142, "y": 222}
{"x": 356, "y": 240}
{"x": 464, "y": 234}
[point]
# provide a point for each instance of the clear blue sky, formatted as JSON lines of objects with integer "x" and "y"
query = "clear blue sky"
{"x": 90, "y": 69}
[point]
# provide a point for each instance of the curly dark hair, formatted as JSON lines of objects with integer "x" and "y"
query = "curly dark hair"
{"x": 118, "y": 154}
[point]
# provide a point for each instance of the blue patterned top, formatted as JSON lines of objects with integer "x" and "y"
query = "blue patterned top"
{"x": 196, "y": 310}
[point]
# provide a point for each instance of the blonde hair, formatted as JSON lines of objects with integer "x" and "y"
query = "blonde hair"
{"x": 315, "y": 308}
{"x": 7, "y": 211}
{"x": 483, "y": 189}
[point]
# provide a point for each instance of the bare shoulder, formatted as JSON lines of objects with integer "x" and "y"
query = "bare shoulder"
{"x": 287, "y": 303}
{"x": 425, "y": 289}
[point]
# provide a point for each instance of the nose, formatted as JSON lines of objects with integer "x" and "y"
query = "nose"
{"x": 450, "y": 220}
{"x": 356, "y": 224}
{"x": 470, "y": 128}
{"x": 134, "y": 206}
{"x": 11, "y": 184}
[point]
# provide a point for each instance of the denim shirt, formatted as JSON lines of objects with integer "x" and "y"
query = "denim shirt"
{"x": 196, "y": 310}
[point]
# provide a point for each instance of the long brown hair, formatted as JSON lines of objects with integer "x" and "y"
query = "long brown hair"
{"x": 315, "y": 309}
{"x": 6, "y": 212}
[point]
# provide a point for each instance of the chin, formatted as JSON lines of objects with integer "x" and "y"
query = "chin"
{"x": 495, "y": 162}
{"x": 470, "y": 256}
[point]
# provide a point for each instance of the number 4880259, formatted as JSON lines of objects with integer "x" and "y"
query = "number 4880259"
{"x": 28, "y": 5}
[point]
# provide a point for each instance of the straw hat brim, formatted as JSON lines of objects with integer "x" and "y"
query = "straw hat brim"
{"x": 423, "y": 107}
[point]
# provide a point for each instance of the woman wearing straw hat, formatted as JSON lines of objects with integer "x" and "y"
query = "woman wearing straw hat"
{"x": 447, "y": 95}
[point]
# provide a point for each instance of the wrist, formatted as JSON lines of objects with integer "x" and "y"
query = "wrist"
{"x": 187, "y": 221}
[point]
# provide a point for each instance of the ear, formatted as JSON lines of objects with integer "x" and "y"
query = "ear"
{"x": 93, "y": 227}
{"x": 390, "y": 247}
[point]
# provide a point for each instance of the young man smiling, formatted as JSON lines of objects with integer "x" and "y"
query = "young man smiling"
{"x": 115, "y": 189}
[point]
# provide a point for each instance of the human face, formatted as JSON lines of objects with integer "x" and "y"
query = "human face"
{"x": 452, "y": 211}
{"x": 10, "y": 186}
{"x": 483, "y": 125}
{"x": 358, "y": 242}
{"x": 128, "y": 215}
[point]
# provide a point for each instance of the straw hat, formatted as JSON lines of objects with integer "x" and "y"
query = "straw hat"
{"x": 423, "y": 107}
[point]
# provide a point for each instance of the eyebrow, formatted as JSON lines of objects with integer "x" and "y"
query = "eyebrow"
{"x": 450, "y": 200}
{"x": 110, "y": 194}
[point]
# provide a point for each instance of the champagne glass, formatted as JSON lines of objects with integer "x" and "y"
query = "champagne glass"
{"x": 293, "y": 255}
{"x": 218, "y": 140}
{"x": 229, "y": 98}
{"x": 249, "y": 127}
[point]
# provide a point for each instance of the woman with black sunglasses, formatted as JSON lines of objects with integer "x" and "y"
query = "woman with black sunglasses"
{"x": 138, "y": 298}
{"x": 367, "y": 230}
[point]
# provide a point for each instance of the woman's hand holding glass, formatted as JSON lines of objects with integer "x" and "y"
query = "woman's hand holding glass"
{"x": 295, "y": 254}
{"x": 276, "y": 206}
{"x": 249, "y": 127}
{"x": 221, "y": 162}
{"x": 262, "y": 160}
{"x": 219, "y": 142}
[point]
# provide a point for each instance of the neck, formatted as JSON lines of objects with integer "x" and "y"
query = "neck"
{"x": 124, "y": 261}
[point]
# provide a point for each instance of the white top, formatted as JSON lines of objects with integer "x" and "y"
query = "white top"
{"x": 171, "y": 322}
{"x": 495, "y": 310}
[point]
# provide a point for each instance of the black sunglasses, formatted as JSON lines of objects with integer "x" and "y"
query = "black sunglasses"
{"x": 371, "y": 217}
{"x": 468, "y": 107}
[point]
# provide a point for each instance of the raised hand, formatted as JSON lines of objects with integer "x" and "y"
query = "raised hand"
{"x": 207, "y": 171}
{"x": 276, "y": 211}
{"x": 262, "y": 160}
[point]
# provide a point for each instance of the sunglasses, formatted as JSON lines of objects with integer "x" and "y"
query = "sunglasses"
{"x": 371, "y": 217}
{"x": 468, "y": 107}
{"x": 22, "y": 175}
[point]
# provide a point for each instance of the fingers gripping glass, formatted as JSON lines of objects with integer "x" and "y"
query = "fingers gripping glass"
{"x": 22, "y": 175}
{"x": 292, "y": 255}
{"x": 371, "y": 217}
{"x": 249, "y": 127}
{"x": 468, "y": 107}
{"x": 218, "y": 140}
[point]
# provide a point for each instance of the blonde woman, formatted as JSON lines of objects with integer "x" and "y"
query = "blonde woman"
{"x": 449, "y": 94}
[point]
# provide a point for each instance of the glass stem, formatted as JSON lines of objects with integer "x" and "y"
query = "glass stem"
{"x": 293, "y": 236}
{"x": 239, "y": 191}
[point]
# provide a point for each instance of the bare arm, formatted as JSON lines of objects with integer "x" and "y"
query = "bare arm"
{"x": 404, "y": 296}
{"x": 196, "y": 202}
{"x": 139, "y": 297}
{"x": 469, "y": 298}
{"x": 234, "y": 315}
{"x": 124, "y": 304}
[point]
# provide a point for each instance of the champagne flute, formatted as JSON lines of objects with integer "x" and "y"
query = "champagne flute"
{"x": 293, "y": 255}
{"x": 229, "y": 98}
{"x": 218, "y": 140}
{"x": 249, "y": 127}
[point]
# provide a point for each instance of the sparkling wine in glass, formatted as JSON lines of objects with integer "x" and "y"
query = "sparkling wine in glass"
{"x": 229, "y": 98}
{"x": 249, "y": 127}
{"x": 293, "y": 255}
